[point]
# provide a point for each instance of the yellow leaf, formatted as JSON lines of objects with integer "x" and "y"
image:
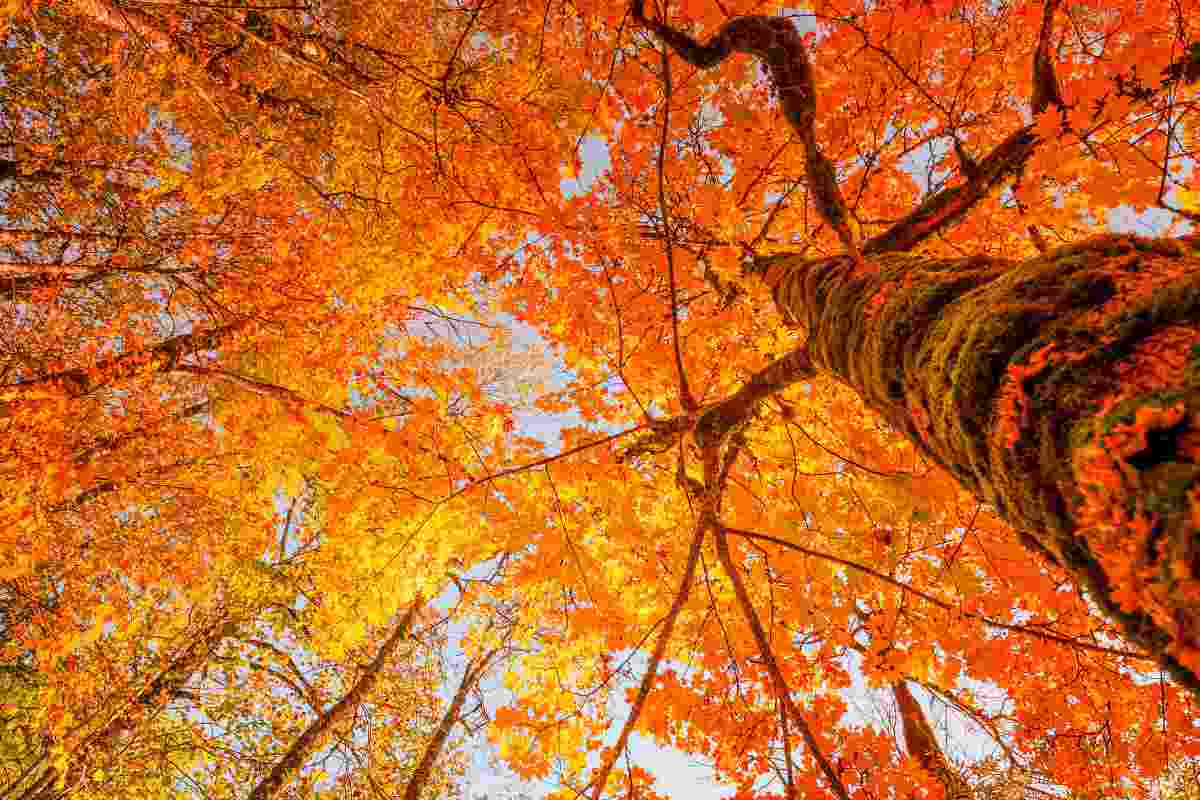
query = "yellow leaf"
{"x": 1189, "y": 200}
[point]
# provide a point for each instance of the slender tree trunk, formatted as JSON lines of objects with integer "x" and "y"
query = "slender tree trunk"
{"x": 165, "y": 686}
{"x": 420, "y": 777}
{"x": 921, "y": 744}
{"x": 291, "y": 761}
{"x": 1063, "y": 390}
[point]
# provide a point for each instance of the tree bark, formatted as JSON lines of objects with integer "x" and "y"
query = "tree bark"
{"x": 433, "y": 750}
{"x": 1063, "y": 390}
{"x": 923, "y": 746}
{"x": 306, "y": 743}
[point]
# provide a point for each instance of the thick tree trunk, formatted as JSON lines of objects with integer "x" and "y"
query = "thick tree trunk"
{"x": 1063, "y": 390}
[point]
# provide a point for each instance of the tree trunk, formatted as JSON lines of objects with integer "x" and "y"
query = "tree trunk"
{"x": 923, "y": 746}
{"x": 306, "y": 743}
{"x": 1063, "y": 390}
{"x": 433, "y": 750}
{"x": 51, "y": 784}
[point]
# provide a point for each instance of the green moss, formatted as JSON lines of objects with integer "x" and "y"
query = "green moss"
{"x": 1125, "y": 412}
{"x": 1191, "y": 373}
{"x": 1167, "y": 485}
{"x": 1075, "y": 260}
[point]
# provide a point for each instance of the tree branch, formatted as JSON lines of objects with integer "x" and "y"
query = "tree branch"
{"x": 783, "y": 693}
{"x": 719, "y": 419}
{"x": 600, "y": 779}
{"x": 687, "y": 400}
{"x": 942, "y": 604}
{"x": 776, "y": 41}
{"x": 420, "y": 777}
{"x": 79, "y": 381}
{"x": 944, "y": 209}
{"x": 923, "y": 746}
{"x": 293, "y": 759}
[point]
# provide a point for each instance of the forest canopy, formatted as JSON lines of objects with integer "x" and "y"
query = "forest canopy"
{"x": 390, "y": 386}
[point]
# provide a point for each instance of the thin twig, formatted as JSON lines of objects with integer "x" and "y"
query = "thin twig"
{"x": 664, "y": 210}
{"x": 660, "y": 647}
{"x": 942, "y": 604}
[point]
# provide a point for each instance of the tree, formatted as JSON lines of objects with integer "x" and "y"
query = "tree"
{"x": 960, "y": 355}
{"x": 269, "y": 263}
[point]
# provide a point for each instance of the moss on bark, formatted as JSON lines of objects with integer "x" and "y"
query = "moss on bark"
{"x": 1064, "y": 390}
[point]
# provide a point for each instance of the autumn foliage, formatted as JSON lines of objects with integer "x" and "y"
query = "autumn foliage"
{"x": 372, "y": 374}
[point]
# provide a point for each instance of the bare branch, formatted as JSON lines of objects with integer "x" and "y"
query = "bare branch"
{"x": 660, "y": 647}
{"x": 776, "y": 41}
{"x": 783, "y": 693}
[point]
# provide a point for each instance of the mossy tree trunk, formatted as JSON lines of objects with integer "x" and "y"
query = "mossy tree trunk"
{"x": 1063, "y": 390}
